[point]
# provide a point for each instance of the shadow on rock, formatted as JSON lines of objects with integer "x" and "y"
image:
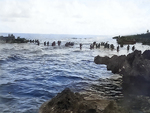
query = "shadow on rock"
{"x": 68, "y": 102}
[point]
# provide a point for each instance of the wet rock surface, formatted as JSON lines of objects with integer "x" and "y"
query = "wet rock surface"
{"x": 110, "y": 88}
{"x": 69, "y": 102}
{"x": 135, "y": 71}
{"x": 114, "y": 108}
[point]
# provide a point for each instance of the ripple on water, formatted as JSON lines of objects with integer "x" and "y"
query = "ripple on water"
{"x": 32, "y": 74}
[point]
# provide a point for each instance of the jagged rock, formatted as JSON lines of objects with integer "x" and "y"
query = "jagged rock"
{"x": 146, "y": 54}
{"x": 136, "y": 77}
{"x": 114, "y": 108}
{"x": 115, "y": 63}
{"x": 135, "y": 69}
{"x": 130, "y": 57}
{"x": 101, "y": 60}
{"x": 68, "y": 102}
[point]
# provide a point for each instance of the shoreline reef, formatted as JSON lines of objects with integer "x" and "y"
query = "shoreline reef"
{"x": 12, "y": 39}
{"x": 135, "y": 72}
{"x": 132, "y": 39}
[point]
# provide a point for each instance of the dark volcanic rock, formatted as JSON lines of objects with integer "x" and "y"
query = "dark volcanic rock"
{"x": 136, "y": 77}
{"x": 115, "y": 63}
{"x": 68, "y": 102}
{"x": 101, "y": 60}
{"x": 114, "y": 108}
{"x": 146, "y": 54}
{"x": 135, "y": 68}
{"x": 130, "y": 57}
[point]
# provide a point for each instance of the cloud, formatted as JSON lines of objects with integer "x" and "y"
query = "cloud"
{"x": 75, "y": 17}
{"x": 15, "y": 9}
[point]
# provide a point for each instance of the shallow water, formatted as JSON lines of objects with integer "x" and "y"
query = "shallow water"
{"x": 31, "y": 74}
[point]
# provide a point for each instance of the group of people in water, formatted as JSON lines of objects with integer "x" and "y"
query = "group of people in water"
{"x": 108, "y": 46}
{"x": 105, "y": 45}
{"x": 53, "y": 43}
{"x": 59, "y": 43}
{"x": 35, "y": 41}
{"x": 92, "y": 46}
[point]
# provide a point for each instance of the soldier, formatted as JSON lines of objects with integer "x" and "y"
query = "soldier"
{"x": 133, "y": 48}
{"x": 48, "y": 43}
{"x": 117, "y": 48}
{"x": 80, "y": 46}
{"x": 128, "y": 47}
{"x": 44, "y": 43}
{"x": 38, "y": 43}
{"x": 59, "y": 42}
{"x": 53, "y": 44}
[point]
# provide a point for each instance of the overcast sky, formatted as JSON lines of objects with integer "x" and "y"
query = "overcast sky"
{"x": 95, "y": 17}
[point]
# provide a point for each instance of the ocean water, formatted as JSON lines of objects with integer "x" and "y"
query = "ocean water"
{"x": 32, "y": 74}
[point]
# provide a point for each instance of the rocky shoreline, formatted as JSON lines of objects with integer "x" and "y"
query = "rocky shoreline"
{"x": 134, "y": 68}
{"x": 70, "y": 102}
{"x": 12, "y": 39}
{"x": 132, "y": 39}
{"x": 127, "y": 92}
{"x": 135, "y": 71}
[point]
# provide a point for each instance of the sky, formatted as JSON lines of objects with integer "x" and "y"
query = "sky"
{"x": 88, "y": 17}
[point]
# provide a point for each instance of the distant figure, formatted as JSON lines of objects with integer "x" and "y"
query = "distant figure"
{"x": 44, "y": 43}
{"x": 117, "y": 48}
{"x": 48, "y": 43}
{"x": 128, "y": 47}
{"x": 59, "y": 42}
{"x": 102, "y": 43}
{"x": 38, "y": 43}
{"x": 133, "y": 48}
{"x": 91, "y": 46}
{"x": 108, "y": 46}
{"x": 105, "y": 45}
{"x": 97, "y": 45}
{"x": 69, "y": 44}
{"x": 94, "y": 43}
{"x": 53, "y": 44}
{"x": 112, "y": 47}
{"x": 80, "y": 46}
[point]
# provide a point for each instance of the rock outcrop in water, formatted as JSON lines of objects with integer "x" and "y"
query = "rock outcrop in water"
{"x": 135, "y": 69}
{"x": 132, "y": 39}
{"x": 11, "y": 39}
